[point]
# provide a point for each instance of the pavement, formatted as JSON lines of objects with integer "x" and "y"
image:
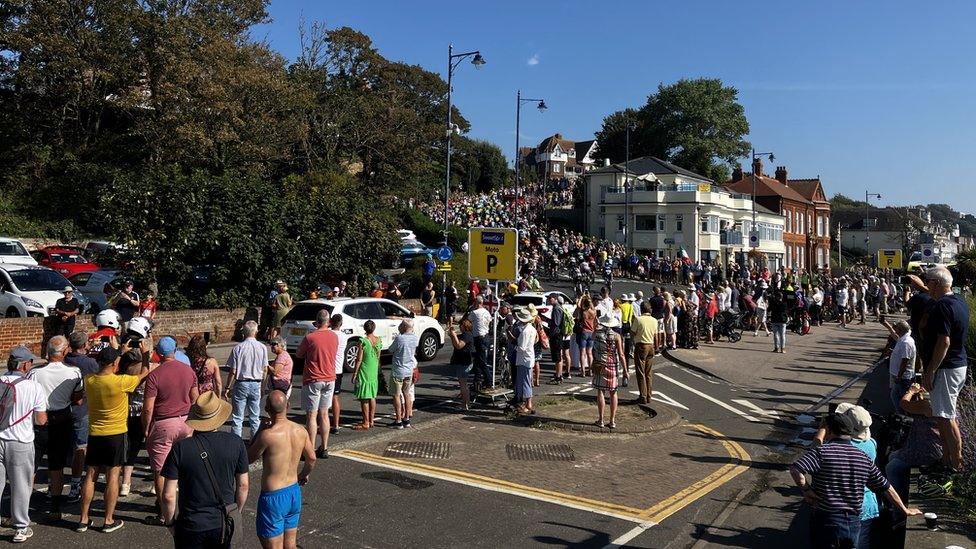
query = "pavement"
{"x": 481, "y": 479}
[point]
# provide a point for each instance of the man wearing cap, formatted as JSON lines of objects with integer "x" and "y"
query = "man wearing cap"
{"x": 188, "y": 485}
{"x": 78, "y": 358}
{"x": 62, "y": 385}
{"x": 66, "y": 309}
{"x": 840, "y": 472}
{"x": 170, "y": 391}
{"x": 17, "y": 439}
{"x": 248, "y": 364}
{"x": 108, "y": 414}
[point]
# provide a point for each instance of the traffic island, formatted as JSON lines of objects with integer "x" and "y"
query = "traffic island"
{"x": 578, "y": 413}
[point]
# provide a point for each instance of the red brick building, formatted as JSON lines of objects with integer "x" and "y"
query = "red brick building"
{"x": 803, "y": 203}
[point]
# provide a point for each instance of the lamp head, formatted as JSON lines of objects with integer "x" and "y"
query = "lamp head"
{"x": 772, "y": 157}
{"x": 478, "y": 60}
{"x": 542, "y": 106}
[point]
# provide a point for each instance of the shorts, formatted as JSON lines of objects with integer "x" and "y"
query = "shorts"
{"x": 338, "y": 385}
{"x": 135, "y": 440}
{"x": 556, "y": 348}
{"x": 402, "y": 385}
{"x": 278, "y": 510}
{"x": 106, "y": 450}
{"x": 945, "y": 390}
{"x": 317, "y": 395}
{"x": 586, "y": 340}
{"x": 163, "y": 433}
{"x": 463, "y": 370}
{"x": 80, "y": 425}
{"x": 671, "y": 325}
{"x": 56, "y": 440}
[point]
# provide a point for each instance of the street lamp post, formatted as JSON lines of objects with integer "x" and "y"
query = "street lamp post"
{"x": 867, "y": 208}
{"x": 541, "y": 105}
{"x": 453, "y": 60}
{"x": 756, "y": 156}
{"x": 627, "y": 238}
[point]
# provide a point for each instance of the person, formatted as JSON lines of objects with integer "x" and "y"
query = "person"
{"x": 840, "y": 472}
{"x": 335, "y": 324}
{"x": 541, "y": 342}
{"x": 525, "y": 358}
{"x": 428, "y": 268}
{"x": 280, "y": 307}
{"x": 944, "y": 329}
{"x": 108, "y": 324}
{"x": 267, "y": 311}
{"x": 366, "y": 375}
{"x": 427, "y": 298}
{"x": 480, "y": 325}
{"x": 689, "y": 320}
{"x": 108, "y": 407}
{"x": 318, "y": 349}
{"x": 66, "y": 311}
{"x": 450, "y": 302}
{"x": 778, "y": 317}
{"x": 462, "y": 358}
{"x": 62, "y": 386}
{"x": 279, "y": 373}
{"x": 78, "y": 358}
{"x": 762, "y": 305}
{"x": 644, "y": 330}
{"x": 170, "y": 390}
{"x": 816, "y": 307}
{"x": 25, "y": 408}
{"x": 404, "y": 352}
{"x": 556, "y": 337}
{"x": 608, "y": 352}
{"x": 901, "y": 363}
{"x": 131, "y": 363}
{"x": 586, "y": 325}
{"x": 126, "y": 301}
{"x": 204, "y": 366}
{"x": 626, "y": 318}
{"x": 841, "y": 299}
{"x": 922, "y": 446}
{"x": 280, "y": 445}
{"x": 148, "y": 306}
{"x": 192, "y": 483}
{"x": 248, "y": 364}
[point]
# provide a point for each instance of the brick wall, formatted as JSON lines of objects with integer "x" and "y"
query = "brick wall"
{"x": 221, "y": 324}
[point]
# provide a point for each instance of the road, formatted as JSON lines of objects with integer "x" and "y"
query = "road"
{"x": 735, "y": 433}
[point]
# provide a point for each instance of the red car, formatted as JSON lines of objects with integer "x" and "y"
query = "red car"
{"x": 66, "y": 260}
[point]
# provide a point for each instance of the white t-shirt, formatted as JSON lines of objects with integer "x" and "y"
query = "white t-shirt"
{"x": 525, "y": 347}
{"x": 904, "y": 348}
{"x": 30, "y": 399}
{"x": 842, "y": 297}
{"x": 59, "y": 382}
{"x": 604, "y": 307}
{"x": 480, "y": 321}
{"x": 341, "y": 351}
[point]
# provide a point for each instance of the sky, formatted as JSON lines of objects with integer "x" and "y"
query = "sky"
{"x": 870, "y": 96}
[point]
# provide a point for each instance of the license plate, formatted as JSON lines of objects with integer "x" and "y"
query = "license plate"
{"x": 298, "y": 331}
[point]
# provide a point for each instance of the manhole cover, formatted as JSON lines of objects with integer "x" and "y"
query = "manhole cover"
{"x": 540, "y": 452}
{"x": 424, "y": 450}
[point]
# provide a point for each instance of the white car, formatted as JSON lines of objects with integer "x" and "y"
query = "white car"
{"x": 13, "y": 252}
{"x": 406, "y": 234}
{"x": 541, "y": 302}
{"x": 27, "y": 290}
{"x": 386, "y": 314}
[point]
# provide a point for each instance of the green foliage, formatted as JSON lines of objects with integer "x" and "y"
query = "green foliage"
{"x": 697, "y": 124}
{"x": 842, "y": 202}
{"x": 429, "y": 232}
{"x": 479, "y": 166}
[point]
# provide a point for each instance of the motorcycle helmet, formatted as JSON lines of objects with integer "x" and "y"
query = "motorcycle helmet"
{"x": 139, "y": 326}
{"x": 108, "y": 319}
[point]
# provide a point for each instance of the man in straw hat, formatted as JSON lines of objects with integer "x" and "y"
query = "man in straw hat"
{"x": 201, "y": 516}
{"x": 280, "y": 445}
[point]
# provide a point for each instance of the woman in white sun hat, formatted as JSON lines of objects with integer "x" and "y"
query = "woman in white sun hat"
{"x": 608, "y": 354}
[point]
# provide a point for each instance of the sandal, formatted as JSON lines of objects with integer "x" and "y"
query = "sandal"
{"x": 554, "y": 381}
{"x": 83, "y": 527}
{"x": 360, "y": 427}
{"x": 154, "y": 520}
{"x": 612, "y": 425}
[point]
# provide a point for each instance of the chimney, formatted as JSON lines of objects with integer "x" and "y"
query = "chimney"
{"x": 737, "y": 173}
{"x": 757, "y": 166}
{"x": 606, "y": 162}
{"x": 781, "y": 175}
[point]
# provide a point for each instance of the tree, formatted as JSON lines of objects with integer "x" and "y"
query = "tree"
{"x": 696, "y": 124}
{"x": 479, "y": 165}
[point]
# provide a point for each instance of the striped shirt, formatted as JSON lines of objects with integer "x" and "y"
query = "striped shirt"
{"x": 840, "y": 472}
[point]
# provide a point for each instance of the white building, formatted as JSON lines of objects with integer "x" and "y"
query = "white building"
{"x": 670, "y": 208}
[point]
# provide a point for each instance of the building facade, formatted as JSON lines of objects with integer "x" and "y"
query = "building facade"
{"x": 804, "y": 205}
{"x": 558, "y": 158}
{"x": 669, "y": 209}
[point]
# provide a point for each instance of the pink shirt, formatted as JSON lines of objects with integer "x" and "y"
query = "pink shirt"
{"x": 170, "y": 385}
{"x": 283, "y": 364}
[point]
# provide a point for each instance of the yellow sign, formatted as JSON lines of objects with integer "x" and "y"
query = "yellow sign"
{"x": 444, "y": 267}
{"x": 890, "y": 259}
{"x": 493, "y": 253}
{"x": 704, "y": 188}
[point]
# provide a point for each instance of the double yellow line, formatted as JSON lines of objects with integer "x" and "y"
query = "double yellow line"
{"x": 648, "y": 517}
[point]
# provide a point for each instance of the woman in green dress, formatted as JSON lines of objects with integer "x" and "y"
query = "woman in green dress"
{"x": 366, "y": 375}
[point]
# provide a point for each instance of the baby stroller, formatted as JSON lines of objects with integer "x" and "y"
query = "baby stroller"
{"x": 728, "y": 324}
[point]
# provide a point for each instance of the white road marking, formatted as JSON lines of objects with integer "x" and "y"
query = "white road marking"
{"x": 628, "y": 536}
{"x": 661, "y": 397}
{"x": 708, "y": 397}
{"x": 754, "y": 408}
{"x": 586, "y": 389}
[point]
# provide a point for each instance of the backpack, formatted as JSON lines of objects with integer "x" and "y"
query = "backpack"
{"x": 568, "y": 324}
{"x": 8, "y": 400}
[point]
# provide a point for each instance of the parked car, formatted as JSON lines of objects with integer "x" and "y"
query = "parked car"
{"x": 406, "y": 234}
{"x": 355, "y": 312}
{"x": 66, "y": 260}
{"x": 541, "y": 302}
{"x": 12, "y": 251}
{"x": 29, "y": 290}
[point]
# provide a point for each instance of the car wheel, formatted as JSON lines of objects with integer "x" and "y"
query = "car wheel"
{"x": 352, "y": 354}
{"x": 427, "y": 349}
{"x": 12, "y": 313}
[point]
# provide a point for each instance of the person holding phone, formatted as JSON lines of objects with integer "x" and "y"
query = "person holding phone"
{"x": 901, "y": 363}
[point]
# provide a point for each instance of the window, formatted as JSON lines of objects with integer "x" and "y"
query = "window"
{"x": 81, "y": 279}
{"x": 392, "y": 310}
{"x": 305, "y": 312}
{"x": 645, "y": 222}
{"x": 709, "y": 224}
{"x": 555, "y": 168}
{"x": 679, "y": 222}
{"x": 789, "y": 220}
{"x": 661, "y": 222}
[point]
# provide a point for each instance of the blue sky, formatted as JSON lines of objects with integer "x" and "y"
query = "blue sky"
{"x": 868, "y": 95}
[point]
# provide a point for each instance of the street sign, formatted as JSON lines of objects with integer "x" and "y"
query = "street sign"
{"x": 926, "y": 238}
{"x": 928, "y": 251}
{"x": 668, "y": 241}
{"x": 753, "y": 239}
{"x": 493, "y": 253}
{"x": 445, "y": 253}
{"x": 890, "y": 259}
{"x": 444, "y": 267}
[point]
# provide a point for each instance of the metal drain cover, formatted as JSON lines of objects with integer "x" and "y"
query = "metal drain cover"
{"x": 423, "y": 450}
{"x": 540, "y": 452}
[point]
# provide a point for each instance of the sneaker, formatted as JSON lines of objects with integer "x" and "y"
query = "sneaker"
{"x": 74, "y": 493}
{"x": 109, "y": 528}
{"x": 124, "y": 491}
{"x": 406, "y": 423}
{"x": 22, "y": 535}
{"x": 397, "y": 425}
{"x": 334, "y": 431}
{"x": 322, "y": 453}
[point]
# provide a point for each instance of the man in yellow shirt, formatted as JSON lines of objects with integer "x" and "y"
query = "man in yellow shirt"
{"x": 644, "y": 330}
{"x": 108, "y": 413}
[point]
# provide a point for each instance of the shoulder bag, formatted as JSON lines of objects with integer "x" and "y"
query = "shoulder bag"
{"x": 231, "y": 514}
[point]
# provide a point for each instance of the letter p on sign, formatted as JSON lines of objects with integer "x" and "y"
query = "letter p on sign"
{"x": 491, "y": 262}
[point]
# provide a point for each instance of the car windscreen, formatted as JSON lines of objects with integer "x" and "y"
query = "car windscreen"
{"x": 306, "y": 312}
{"x": 525, "y": 300}
{"x": 37, "y": 280}
{"x": 12, "y": 248}
{"x": 67, "y": 258}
